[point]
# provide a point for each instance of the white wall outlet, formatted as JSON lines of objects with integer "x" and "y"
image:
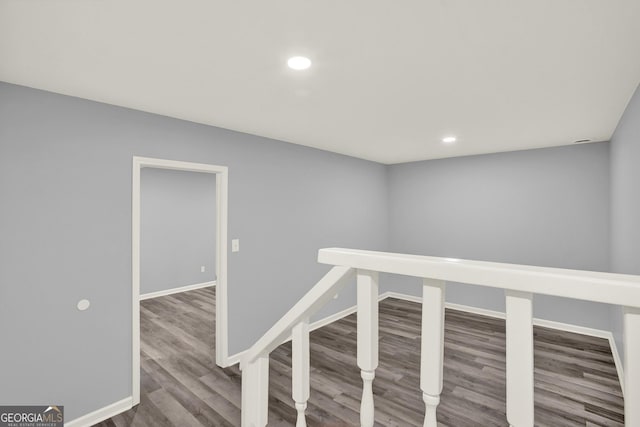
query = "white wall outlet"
{"x": 235, "y": 245}
{"x": 202, "y": 269}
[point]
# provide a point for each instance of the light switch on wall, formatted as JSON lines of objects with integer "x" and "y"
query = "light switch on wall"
{"x": 202, "y": 269}
{"x": 235, "y": 245}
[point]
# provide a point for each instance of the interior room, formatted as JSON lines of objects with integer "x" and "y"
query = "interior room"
{"x": 323, "y": 213}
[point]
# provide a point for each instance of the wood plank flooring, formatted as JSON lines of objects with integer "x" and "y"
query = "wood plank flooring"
{"x": 575, "y": 376}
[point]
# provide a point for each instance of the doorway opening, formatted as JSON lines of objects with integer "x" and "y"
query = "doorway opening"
{"x": 221, "y": 330}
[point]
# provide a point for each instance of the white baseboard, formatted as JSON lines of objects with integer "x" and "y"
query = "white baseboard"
{"x": 450, "y": 305}
{"x": 398, "y": 295}
{"x": 176, "y": 290}
{"x": 350, "y": 310}
{"x": 582, "y": 330}
{"x": 332, "y": 318}
{"x": 475, "y": 310}
{"x": 618, "y": 361}
{"x": 126, "y": 404}
{"x": 235, "y": 358}
{"x": 101, "y": 414}
{"x": 327, "y": 320}
{"x": 599, "y": 333}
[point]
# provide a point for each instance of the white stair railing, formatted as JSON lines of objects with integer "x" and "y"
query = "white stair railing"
{"x": 255, "y": 363}
{"x": 520, "y": 282}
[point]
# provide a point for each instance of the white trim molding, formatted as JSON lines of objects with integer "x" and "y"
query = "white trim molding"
{"x": 235, "y": 358}
{"x": 475, "y": 310}
{"x": 398, "y": 295}
{"x": 101, "y": 414}
{"x": 332, "y": 318}
{"x": 172, "y": 291}
{"x": 450, "y": 305}
{"x": 567, "y": 327}
{"x": 617, "y": 360}
{"x": 222, "y": 198}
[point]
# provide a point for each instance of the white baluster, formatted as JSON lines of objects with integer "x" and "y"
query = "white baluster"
{"x": 519, "y": 334}
{"x": 631, "y": 366}
{"x": 367, "y": 341}
{"x": 255, "y": 393}
{"x": 300, "y": 369}
{"x": 432, "y": 349}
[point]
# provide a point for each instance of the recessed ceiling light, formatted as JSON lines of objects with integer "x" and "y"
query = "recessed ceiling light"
{"x": 299, "y": 63}
{"x": 449, "y": 139}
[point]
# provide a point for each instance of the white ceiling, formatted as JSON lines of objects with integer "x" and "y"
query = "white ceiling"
{"x": 389, "y": 78}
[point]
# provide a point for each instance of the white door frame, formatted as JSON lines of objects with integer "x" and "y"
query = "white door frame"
{"x": 222, "y": 177}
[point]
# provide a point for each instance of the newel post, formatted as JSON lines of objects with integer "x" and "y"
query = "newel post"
{"x": 631, "y": 366}
{"x": 519, "y": 335}
{"x": 432, "y": 347}
{"x": 367, "y": 284}
{"x": 255, "y": 392}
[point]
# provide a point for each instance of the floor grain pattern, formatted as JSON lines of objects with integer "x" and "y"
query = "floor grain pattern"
{"x": 575, "y": 377}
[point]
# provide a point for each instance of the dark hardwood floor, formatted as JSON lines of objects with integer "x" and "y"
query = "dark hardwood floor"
{"x": 575, "y": 377}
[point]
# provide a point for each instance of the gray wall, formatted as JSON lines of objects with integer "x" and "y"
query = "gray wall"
{"x": 65, "y": 222}
{"x": 546, "y": 207}
{"x": 178, "y": 229}
{"x": 625, "y": 201}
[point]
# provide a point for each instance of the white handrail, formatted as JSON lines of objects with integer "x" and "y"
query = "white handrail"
{"x": 255, "y": 363}
{"x": 610, "y": 288}
{"x": 520, "y": 282}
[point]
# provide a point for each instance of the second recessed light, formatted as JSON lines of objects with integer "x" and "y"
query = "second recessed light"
{"x": 299, "y": 63}
{"x": 449, "y": 139}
